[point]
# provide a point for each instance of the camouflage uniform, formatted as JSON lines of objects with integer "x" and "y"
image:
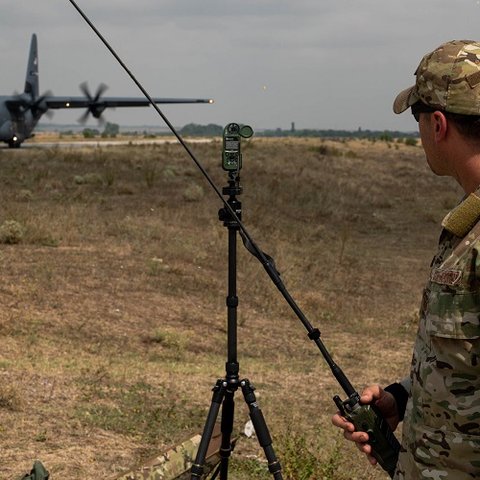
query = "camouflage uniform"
{"x": 441, "y": 438}
{"x": 441, "y": 431}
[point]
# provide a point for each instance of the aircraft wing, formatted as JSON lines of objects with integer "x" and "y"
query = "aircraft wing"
{"x": 112, "y": 102}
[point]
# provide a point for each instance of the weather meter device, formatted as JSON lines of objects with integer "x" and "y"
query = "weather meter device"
{"x": 232, "y": 139}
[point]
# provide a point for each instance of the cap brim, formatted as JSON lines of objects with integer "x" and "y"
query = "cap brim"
{"x": 405, "y": 99}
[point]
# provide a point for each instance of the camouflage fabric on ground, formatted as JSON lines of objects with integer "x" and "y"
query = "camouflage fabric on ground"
{"x": 441, "y": 439}
{"x": 175, "y": 463}
{"x": 38, "y": 472}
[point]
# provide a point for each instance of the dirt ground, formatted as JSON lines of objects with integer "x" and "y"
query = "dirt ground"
{"x": 113, "y": 285}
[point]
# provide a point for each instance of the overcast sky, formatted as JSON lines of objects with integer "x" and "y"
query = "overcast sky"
{"x": 319, "y": 63}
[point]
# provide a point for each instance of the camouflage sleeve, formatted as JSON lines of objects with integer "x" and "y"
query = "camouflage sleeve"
{"x": 406, "y": 383}
{"x": 441, "y": 428}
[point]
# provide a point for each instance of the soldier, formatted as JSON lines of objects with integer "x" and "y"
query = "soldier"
{"x": 440, "y": 402}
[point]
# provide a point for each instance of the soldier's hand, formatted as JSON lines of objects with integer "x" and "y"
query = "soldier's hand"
{"x": 385, "y": 402}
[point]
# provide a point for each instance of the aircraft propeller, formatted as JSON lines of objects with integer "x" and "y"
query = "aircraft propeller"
{"x": 39, "y": 106}
{"x": 94, "y": 106}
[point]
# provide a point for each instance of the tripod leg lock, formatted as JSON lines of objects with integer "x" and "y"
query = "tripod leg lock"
{"x": 275, "y": 468}
{"x": 232, "y": 301}
{"x": 196, "y": 471}
{"x": 314, "y": 334}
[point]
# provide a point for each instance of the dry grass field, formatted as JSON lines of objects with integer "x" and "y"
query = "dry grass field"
{"x": 113, "y": 284}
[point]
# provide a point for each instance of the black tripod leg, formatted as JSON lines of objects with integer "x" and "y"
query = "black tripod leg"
{"x": 261, "y": 430}
{"x": 217, "y": 397}
{"x": 228, "y": 410}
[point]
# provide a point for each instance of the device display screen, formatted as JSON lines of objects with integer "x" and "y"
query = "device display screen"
{"x": 232, "y": 144}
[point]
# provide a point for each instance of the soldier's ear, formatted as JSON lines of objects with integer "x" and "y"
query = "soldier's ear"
{"x": 439, "y": 125}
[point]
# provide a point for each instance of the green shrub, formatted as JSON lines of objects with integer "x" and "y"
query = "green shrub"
{"x": 11, "y": 232}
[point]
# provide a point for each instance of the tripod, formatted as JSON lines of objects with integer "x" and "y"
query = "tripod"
{"x": 225, "y": 388}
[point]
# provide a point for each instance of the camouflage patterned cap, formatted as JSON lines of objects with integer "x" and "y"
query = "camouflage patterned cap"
{"x": 448, "y": 79}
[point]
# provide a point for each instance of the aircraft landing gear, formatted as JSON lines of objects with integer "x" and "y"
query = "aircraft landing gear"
{"x": 14, "y": 143}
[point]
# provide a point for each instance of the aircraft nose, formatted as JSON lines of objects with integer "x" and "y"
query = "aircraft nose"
{"x": 8, "y": 133}
{"x": 6, "y": 130}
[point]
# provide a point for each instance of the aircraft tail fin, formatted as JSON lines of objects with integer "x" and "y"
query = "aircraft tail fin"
{"x": 31, "y": 81}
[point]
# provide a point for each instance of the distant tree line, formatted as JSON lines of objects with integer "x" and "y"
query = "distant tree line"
{"x": 110, "y": 130}
{"x": 210, "y": 130}
{"x": 193, "y": 129}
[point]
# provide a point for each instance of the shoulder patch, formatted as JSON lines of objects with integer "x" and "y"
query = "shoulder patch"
{"x": 446, "y": 276}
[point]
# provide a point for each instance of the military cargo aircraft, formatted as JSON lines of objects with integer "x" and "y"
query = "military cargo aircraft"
{"x": 19, "y": 114}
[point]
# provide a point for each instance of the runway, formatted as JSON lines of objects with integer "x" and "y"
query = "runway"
{"x": 105, "y": 143}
